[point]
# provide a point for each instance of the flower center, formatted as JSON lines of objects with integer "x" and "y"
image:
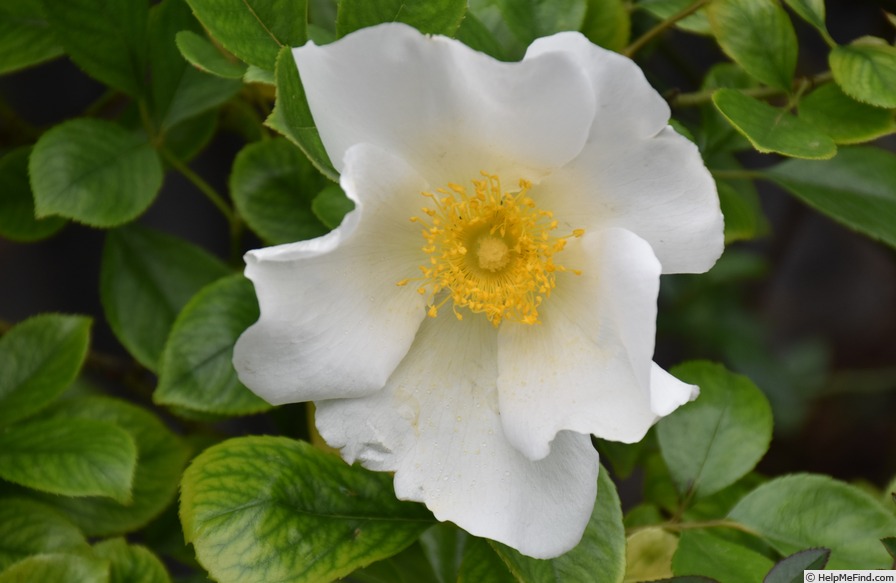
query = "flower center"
{"x": 489, "y": 251}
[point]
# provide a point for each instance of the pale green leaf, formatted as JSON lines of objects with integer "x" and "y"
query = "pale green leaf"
{"x": 71, "y": 457}
{"x": 146, "y": 278}
{"x": 607, "y": 23}
{"x": 773, "y": 130}
{"x": 427, "y": 16}
{"x": 57, "y": 568}
{"x": 17, "y": 220}
{"x": 273, "y": 184}
{"x": 28, "y": 528}
{"x": 292, "y": 116}
{"x": 845, "y": 120}
{"x": 131, "y": 563}
{"x": 26, "y": 37}
{"x": 202, "y": 54}
{"x": 648, "y": 554}
{"x": 261, "y": 509}
{"x": 855, "y": 188}
{"x": 196, "y": 370}
{"x": 602, "y": 548}
{"x": 40, "y": 358}
{"x": 758, "y": 36}
{"x": 711, "y": 442}
{"x": 801, "y": 511}
{"x": 331, "y": 205}
{"x": 866, "y": 71}
{"x": 701, "y": 552}
{"x": 95, "y": 172}
{"x": 254, "y": 30}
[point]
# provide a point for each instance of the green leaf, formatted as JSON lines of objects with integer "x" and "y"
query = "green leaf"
{"x": 71, "y": 457}
{"x": 427, "y": 16}
{"x": 812, "y": 11}
{"x": 481, "y": 564}
{"x": 292, "y": 116}
{"x": 408, "y": 566}
{"x": 790, "y": 569}
{"x": 331, "y": 205}
{"x": 272, "y": 185}
{"x": 773, "y": 130}
{"x": 185, "y": 140}
{"x": 202, "y": 54}
{"x": 196, "y": 370}
{"x": 57, "y": 568}
{"x": 601, "y": 550}
{"x": 17, "y": 220}
{"x": 711, "y": 442}
{"x": 106, "y": 38}
{"x": 889, "y": 543}
{"x": 758, "y": 36}
{"x": 444, "y": 546}
{"x": 648, "y": 554}
{"x": 161, "y": 458}
{"x": 608, "y": 24}
{"x": 866, "y": 71}
{"x": 146, "y": 278}
{"x": 801, "y": 511}
{"x": 28, "y": 528}
{"x": 272, "y": 509}
{"x": 742, "y": 211}
{"x": 131, "y": 563}
{"x": 845, "y": 120}
{"x": 179, "y": 90}
{"x": 475, "y": 35}
{"x": 95, "y": 172}
{"x": 700, "y": 552}
{"x": 855, "y": 188}
{"x": 40, "y": 358}
{"x": 531, "y": 19}
{"x": 26, "y": 38}
{"x": 254, "y": 30}
{"x": 696, "y": 23}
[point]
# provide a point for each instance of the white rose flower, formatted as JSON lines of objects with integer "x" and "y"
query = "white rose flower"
{"x": 490, "y": 303}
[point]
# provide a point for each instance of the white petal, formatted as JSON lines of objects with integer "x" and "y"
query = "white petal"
{"x": 587, "y": 366}
{"x": 448, "y": 110}
{"x": 333, "y": 321}
{"x": 628, "y": 108}
{"x": 436, "y": 425}
{"x": 667, "y": 393}
{"x": 657, "y": 187}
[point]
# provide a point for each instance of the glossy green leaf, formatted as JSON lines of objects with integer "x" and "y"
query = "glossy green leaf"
{"x": 196, "y": 371}
{"x": 263, "y": 509}
{"x": 758, "y": 36}
{"x": 481, "y": 564}
{"x": 531, "y": 19}
{"x": 711, "y": 442}
{"x": 71, "y": 457}
{"x": 607, "y": 23}
{"x": 95, "y": 172}
{"x": 696, "y": 23}
{"x": 855, "y": 188}
{"x": 773, "y": 130}
{"x": 26, "y": 38}
{"x": 40, "y": 358}
{"x": 801, "y": 511}
{"x": 146, "y": 278}
{"x": 601, "y": 550}
{"x": 444, "y": 546}
{"x": 57, "y": 568}
{"x": 408, "y": 566}
{"x": 202, "y": 54}
{"x": 427, "y": 16}
{"x": 292, "y": 116}
{"x": 331, "y": 205}
{"x": 790, "y": 569}
{"x": 161, "y": 458}
{"x": 28, "y": 528}
{"x": 254, "y": 30}
{"x": 866, "y": 71}
{"x": 179, "y": 90}
{"x": 272, "y": 185}
{"x": 812, "y": 11}
{"x": 844, "y": 119}
{"x": 648, "y": 554}
{"x": 106, "y": 38}
{"x": 701, "y": 552}
{"x": 17, "y": 220}
{"x": 131, "y": 563}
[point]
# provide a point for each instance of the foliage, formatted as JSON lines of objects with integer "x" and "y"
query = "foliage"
{"x": 94, "y": 446}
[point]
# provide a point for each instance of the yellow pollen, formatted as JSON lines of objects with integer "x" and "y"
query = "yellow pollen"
{"x": 489, "y": 251}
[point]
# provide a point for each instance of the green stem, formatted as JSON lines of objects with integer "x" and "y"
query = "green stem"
{"x": 736, "y": 174}
{"x": 101, "y": 102}
{"x": 648, "y": 36}
{"x": 200, "y": 183}
{"x": 705, "y": 96}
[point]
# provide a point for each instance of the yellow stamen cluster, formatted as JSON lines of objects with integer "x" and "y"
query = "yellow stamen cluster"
{"x": 490, "y": 251}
